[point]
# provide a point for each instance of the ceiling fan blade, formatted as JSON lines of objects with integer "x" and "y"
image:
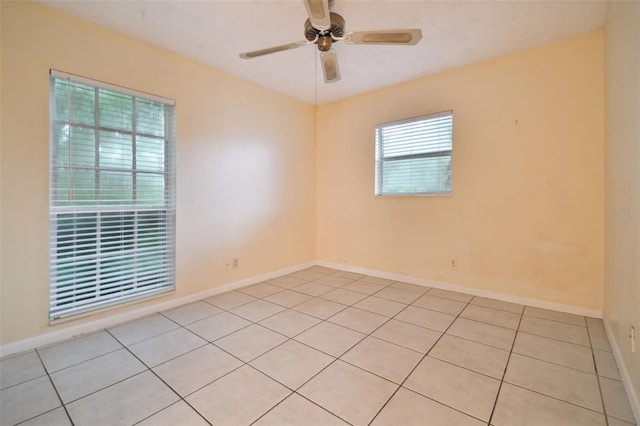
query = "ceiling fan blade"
{"x": 281, "y": 48}
{"x": 318, "y": 11}
{"x": 407, "y": 37}
{"x": 330, "y": 67}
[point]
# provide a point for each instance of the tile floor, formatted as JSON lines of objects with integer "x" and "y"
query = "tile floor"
{"x": 325, "y": 347}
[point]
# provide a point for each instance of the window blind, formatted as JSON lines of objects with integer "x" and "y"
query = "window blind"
{"x": 414, "y": 156}
{"x": 112, "y": 195}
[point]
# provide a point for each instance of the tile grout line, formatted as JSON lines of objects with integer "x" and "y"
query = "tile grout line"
{"x": 506, "y": 366}
{"x": 158, "y": 377}
{"x": 595, "y": 367}
{"x": 64, "y": 406}
{"x": 420, "y": 362}
{"x": 335, "y": 358}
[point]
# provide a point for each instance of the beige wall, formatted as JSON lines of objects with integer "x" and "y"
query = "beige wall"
{"x": 622, "y": 203}
{"x": 245, "y": 181}
{"x": 525, "y": 217}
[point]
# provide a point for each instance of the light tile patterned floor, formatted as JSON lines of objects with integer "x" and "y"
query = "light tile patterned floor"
{"x": 325, "y": 347}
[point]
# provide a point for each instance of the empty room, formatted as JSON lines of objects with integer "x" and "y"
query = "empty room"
{"x": 320, "y": 212}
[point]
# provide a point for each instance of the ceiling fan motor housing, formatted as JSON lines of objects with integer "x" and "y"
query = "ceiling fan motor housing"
{"x": 324, "y": 37}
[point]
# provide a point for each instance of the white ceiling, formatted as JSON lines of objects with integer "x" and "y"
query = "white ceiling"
{"x": 455, "y": 33}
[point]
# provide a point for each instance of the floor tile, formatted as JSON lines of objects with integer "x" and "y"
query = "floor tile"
{"x": 498, "y": 337}
{"x": 308, "y": 275}
{"x": 384, "y": 359}
{"x": 615, "y": 399}
{"x": 555, "y": 330}
{"x": 497, "y": 304}
{"x": 410, "y": 336}
{"x": 239, "y": 398}
{"x": 260, "y": 290}
{"x": 290, "y": 322}
{"x": 229, "y": 300}
{"x": 166, "y": 346}
{"x": 320, "y": 308}
{"x": 288, "y": 298}
{"x": 56, "y": 417}
{"x": 257, "y": 310}
{"x": 521, "y": 407}
{"x": 349, "y": 392}
{"x": 410, "y": 287}
{"x": 286, "y": 281}
{"x": 218, "y": 326}
{"x": 376, "y": 280}
{"x": 20, "y": 368}
{"x": 82, "y": 379}
{"x": 191, "y": 371}
{"x": 408, "y": 408}
{"x": 250, "y": 342}
{"x": 464, "y": 390}
{"x": 358, "y": 320}
{"x": 333, "y": 281}
{"x": 175, "y": 415}
{"x": 554, "y": 380}
{"x": 440, "y": 304}
{"x": 145, "y": 395}
{"x": 330, "y": 338}
{"x": 291, "y": 340}
{"x": 292, "y": 363}
{"x": 312, "y": 288}
{"x": 346, "y": 297}
{"x": 606, "y": 364}
{"x": 363, "y": 287}
{"x": 192, "y": 312}
{"x": 598, "y": 339}
{"x": 555, "y": 316}
{"x": 26, "y": 400}
{"x": 322, "y": 269}
{"x": 555, "y": 351}
{"x": 474, "y": 356}
{"x": 617, "y": 422}
{"x": 398, "y": 295}
{"x": 350, "y": 275}
{"x": 385, "y": 307}
{"x": 142, "y": 329}
{"x": 491, "y": 316}
{"x": 58, "y": 356}
{"x": 448, "y": 294}
{"x": 426, "y": 318}
{"x": 594, "y": 323}
{"x": 298, "y": 411}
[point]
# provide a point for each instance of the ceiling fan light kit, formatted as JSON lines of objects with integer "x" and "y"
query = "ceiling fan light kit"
{"x": 323, "y": 28}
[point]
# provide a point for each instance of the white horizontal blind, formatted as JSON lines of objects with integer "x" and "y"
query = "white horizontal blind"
{"x": 414, "y": 156}
{"x": 112, "y": 195}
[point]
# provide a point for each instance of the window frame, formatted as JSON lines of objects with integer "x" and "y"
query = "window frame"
{"x": 379, "y": 160}
{"x": 146, "y": 216}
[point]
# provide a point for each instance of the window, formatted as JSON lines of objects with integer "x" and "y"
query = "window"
{"x": 414, "y": 156}
{"x": 112, "y": 195}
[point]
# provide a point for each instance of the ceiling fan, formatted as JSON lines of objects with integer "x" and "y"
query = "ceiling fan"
{"x": 323, "y": 28}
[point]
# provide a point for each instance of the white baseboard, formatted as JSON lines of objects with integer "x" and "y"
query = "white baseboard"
{"x": 634, "y": 398}
{"x": 102, "y": 323}
{"x": 468, "y": 290}
{"x": 92, "y": 326}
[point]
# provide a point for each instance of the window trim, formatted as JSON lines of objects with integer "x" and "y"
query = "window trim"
{"x": 379, "y": 175}
{"x": 166, "y": 210}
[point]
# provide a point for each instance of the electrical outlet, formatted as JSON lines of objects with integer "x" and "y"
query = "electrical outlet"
{"x": 235, "y": 262}
{"x": 453, "y": 264}
{"x": 632, "y": 337}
